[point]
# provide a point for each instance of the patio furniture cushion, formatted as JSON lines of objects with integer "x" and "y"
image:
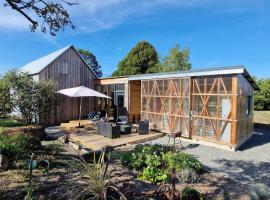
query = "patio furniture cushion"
{"x": 91, "y": 115}
{"x": 99, "y": 115}
{"x": 122, "y": 120}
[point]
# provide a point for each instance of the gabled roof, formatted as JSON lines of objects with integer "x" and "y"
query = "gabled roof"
{"x": 239, "y": 69}
{"x": 36, "y": 66}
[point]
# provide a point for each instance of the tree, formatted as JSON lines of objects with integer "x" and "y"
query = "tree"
{"x": 53, "y": 15}
{"x": 177, "y": 59}
{"x": 21, "y": 91}
{"x": 262, "y": 97}
{"x": 45, "y": 99}
{"x": 139, "y": 60}
{"x": 91, "y": 60}
{"x": 5, "y": 106}
{"x": 33, "y": 100}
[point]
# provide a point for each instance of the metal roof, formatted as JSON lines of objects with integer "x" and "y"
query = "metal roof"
{"x": 36, "y": 66}
{"x": 239, "y": 69}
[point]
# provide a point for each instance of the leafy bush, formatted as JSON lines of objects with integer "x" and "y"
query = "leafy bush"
{"x": 262, "y": 97}
{"x": 155, "y": 162}
{"x": 136, "y": 159}
{"x": 187, "y": 175}
{"x": 259, "y": 192}
{"x": 190, "y": 194}
{"x": 154, "y": 175}
{"x": 18, "y": 146}
{"x": 181, "y": 160}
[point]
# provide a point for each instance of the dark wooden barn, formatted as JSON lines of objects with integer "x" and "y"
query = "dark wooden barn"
{"x": 67, "y": 68}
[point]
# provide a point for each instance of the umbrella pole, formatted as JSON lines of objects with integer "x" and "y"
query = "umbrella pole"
{"x": 80, "y": 113}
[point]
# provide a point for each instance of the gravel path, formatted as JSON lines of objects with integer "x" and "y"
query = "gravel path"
{"x": 250, "y": 164}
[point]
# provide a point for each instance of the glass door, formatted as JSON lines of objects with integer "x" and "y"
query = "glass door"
{"x": 120, "y": 99}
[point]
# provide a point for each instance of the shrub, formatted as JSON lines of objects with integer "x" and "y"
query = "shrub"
{"x": 181, "y": 160}
{"x": 18, "y": 146}
{"x": 187, "y": 175}
{"x": 190, "y": 194}
{"x": 155, "y": 162}
{"x": 259, "y": 192}
{"x": 136, "y": 159}
{"x": 154, "y": 175}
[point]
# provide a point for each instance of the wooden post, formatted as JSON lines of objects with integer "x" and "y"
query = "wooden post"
{"x": 191, "y": 107}
{"x": 234, "y": 134}
{"x": 171, "y": 104}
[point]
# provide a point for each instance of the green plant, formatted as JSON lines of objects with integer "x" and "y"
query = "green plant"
{"x": 140, "y": 156}
{"x": 29, "y": 189}
{"x": 154, "y": 175}
{"x": 187, "y": 175}
{"x": 155, "y": 163}
{"x": 34, "y": 100}
{"x": 18, "y": 146}
{"x": 96, "y": 179}
{"x": 259, "y": 192}
{"x": 181, "y": 160}
{"x": 190, "y": 194}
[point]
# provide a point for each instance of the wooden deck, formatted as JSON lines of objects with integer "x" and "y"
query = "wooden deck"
{"x": 88, "y": 138}
{"x": 96, "y": 142}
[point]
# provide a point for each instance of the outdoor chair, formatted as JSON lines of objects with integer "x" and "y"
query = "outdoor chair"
{"x": 97, "y": 116}
{"x": 142, "y": 127}
{"x": 122, "y": 116}
{"x": 106, "y": 129}
{"x": 174, "y": 136}
{"x": 91, "y": 115}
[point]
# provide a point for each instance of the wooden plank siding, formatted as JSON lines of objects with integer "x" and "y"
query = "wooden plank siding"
{"x": 134, "y": 100}
{"x": 69, "y": 70}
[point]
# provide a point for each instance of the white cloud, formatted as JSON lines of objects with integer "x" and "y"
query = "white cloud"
{"x": 96, "y": 15}
{"x": 11, "y": 20}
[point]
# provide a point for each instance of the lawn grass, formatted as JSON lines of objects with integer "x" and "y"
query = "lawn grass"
{"x": 10, "y": 123}
{"x": 262, "y": 119}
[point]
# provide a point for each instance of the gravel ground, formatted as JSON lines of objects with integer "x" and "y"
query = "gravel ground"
{"x": 250, "y": 164}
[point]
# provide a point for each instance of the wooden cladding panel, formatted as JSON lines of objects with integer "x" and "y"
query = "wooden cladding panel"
{"x": 234, "y": 110}
{"x": 245, "y": 120}
{"x": 134, "y": 100}
{"x": 165, "y": 103}
{"x": 68, "y": 70}
{"x": 214, "y": 108}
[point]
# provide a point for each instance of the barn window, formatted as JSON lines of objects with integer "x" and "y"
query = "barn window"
{"x": 248, "y": 112}
{"x": 63, "y": 68}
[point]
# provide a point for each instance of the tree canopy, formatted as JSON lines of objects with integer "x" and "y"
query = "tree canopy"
{"x": 177, "y": 59}
{"x": 262, "y": 97}
{"x": 139, "y": 60}
{"x": 91, "y": 60}
{"x": 143, "y": 58}
{"x": 49, "y": 15}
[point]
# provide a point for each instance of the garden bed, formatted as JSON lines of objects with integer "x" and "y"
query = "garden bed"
{"x": 34, "y": 130}
{"x": 55, "y": 184}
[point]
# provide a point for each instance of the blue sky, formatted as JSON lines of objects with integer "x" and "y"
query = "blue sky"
{"x": 218, "y": 32}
